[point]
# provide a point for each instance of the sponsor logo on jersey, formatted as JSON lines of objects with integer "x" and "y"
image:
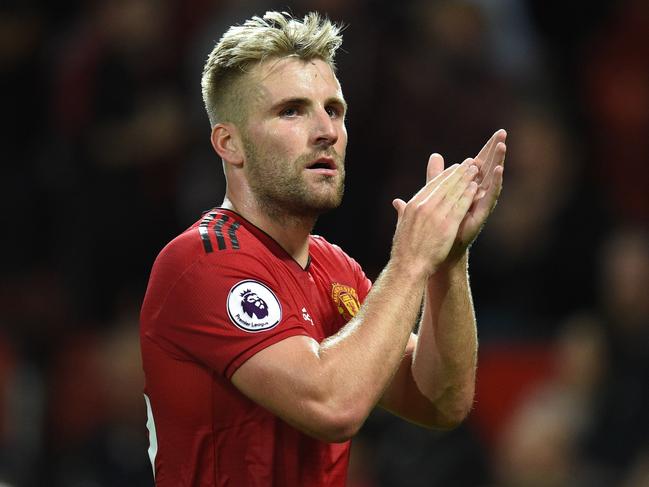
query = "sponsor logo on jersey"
{"x": 253, "y": 307}
{"x": 306, "y": 316}
{"x": 345, "y": 299}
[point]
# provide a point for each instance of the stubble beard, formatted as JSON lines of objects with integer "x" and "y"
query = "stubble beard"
{"x": 282, "y": 191}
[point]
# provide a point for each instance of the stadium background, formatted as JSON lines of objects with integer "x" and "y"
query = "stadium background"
{"x": 106, "y": 157}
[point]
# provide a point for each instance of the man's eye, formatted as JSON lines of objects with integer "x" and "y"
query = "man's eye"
{"x": 289, "y": 112}
{"x": 333, "y": 112}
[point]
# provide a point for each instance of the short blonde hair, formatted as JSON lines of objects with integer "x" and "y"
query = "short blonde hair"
{"x": 276, "y": 34}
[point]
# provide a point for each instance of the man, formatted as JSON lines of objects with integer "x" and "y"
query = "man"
{"x": 264, "y": 349}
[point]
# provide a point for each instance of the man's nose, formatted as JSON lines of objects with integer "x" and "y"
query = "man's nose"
{"x": 325, "y": 131}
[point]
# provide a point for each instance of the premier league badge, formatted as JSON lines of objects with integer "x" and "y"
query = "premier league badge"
{"x": 253, "y": 307}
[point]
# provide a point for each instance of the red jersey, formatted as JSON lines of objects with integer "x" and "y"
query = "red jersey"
{"x": 219, "y": 293}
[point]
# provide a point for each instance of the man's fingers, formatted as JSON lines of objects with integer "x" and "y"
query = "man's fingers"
{"x": 464, "y": 202}
{"x": 456, "y": 187}
{"x": 435, "y": 166}
{"x": 485, "y": 203}
{"x": 432, "y": 185}
{"x": 487, "y": 150}
{"x": 439, "y": 181}
{"x": 482, "y": 155}
{"x": 491, "y": 155}
{"x": 458, "y": 211}
{"x": 486, "y": 175}
{"x": 399, "y": 205}
{"x": 449, "y": 189}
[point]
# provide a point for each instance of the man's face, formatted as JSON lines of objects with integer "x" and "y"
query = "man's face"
{"x": 295, "y": 137}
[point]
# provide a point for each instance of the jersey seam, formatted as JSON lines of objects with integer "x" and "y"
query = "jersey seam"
{"x": 173, "y": 286}
{"x": 296, "y": 329}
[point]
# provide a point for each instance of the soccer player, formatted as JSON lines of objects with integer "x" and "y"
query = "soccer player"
{"x": 266, "y": 347}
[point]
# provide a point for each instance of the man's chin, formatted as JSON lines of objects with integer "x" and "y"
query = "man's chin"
{"x": 315, "y": 208}
{"x": 307, "y": 203}
{"x": 327, "y": 202}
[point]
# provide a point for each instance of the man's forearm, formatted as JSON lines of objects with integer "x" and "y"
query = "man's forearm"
{"x": 445, "y": 358}
{"x": 363, "y": 356}
{"x": 371, "y": 347}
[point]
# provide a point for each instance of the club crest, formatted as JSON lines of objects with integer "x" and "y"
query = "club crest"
{"x": 253, "y": 307}
{"x": 346, "y": 300}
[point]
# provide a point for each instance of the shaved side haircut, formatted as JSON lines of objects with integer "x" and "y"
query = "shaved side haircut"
{"x": 275, "y": 35}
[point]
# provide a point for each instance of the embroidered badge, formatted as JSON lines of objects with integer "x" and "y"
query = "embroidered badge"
{"x": 345, "y": 299}
{"x": 253, "y": 307}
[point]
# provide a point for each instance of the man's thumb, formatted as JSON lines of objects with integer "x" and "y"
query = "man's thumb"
{"x": 400, "y": 206}
{"x": 435, "y": 166}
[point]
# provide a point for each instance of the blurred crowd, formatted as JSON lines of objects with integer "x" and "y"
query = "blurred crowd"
{"x": 107, "y": 157}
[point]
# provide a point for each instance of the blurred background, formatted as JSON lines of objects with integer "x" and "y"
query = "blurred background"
{"x": 107, "y": 157}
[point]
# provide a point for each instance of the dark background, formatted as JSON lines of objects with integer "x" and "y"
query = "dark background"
{"x": 106, "y": 157}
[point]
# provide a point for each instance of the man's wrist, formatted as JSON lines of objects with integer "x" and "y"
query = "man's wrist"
{"x": 407, "y": 270}
{"x": 453, "y": 267}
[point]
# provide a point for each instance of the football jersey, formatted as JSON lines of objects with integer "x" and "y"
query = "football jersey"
{"x": 219, "y": 293}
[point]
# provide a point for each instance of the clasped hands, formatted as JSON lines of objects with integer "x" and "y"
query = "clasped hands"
{"x": 439, "y": 223}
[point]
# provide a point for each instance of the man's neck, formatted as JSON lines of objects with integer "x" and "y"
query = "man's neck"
{"x": 291, "y": 232}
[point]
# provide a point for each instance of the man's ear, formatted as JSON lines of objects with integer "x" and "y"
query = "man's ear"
{"x": 227, "y": 143}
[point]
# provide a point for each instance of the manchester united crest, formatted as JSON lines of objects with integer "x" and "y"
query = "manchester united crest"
{"x": 345, "y": 299}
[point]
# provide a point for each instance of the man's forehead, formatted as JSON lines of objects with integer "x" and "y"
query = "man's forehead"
{"x": 279, "y": 66}
{"x": 292, "y": 76}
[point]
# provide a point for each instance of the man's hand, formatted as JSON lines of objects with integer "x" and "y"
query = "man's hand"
{"x": 429, "y": 223}
{"x": 490, "y": 162}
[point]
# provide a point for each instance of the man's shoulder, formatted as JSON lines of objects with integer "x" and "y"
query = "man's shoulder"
{"x": 216, "y": 232}
{"x": 218, "y": 238}
{"x": 323, "y": 250}
{"x": 214, "y": 253}
{"x": 321, "y": 244}
{"x": 220, "y": 230}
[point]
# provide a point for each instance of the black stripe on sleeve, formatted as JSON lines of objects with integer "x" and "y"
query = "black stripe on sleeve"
{"x": 202, "y": 230}
{"x": 232, "y": 232}
{"x": 218, "y": 230}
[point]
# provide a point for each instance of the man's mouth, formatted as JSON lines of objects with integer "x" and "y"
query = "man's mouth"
{"x": 323, "y": 165}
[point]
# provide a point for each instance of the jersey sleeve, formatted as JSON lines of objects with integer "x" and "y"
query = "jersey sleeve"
{"x": 223, "y": 311}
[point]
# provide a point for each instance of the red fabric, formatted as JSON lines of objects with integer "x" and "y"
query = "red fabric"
{"x": 208, "y": 433}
